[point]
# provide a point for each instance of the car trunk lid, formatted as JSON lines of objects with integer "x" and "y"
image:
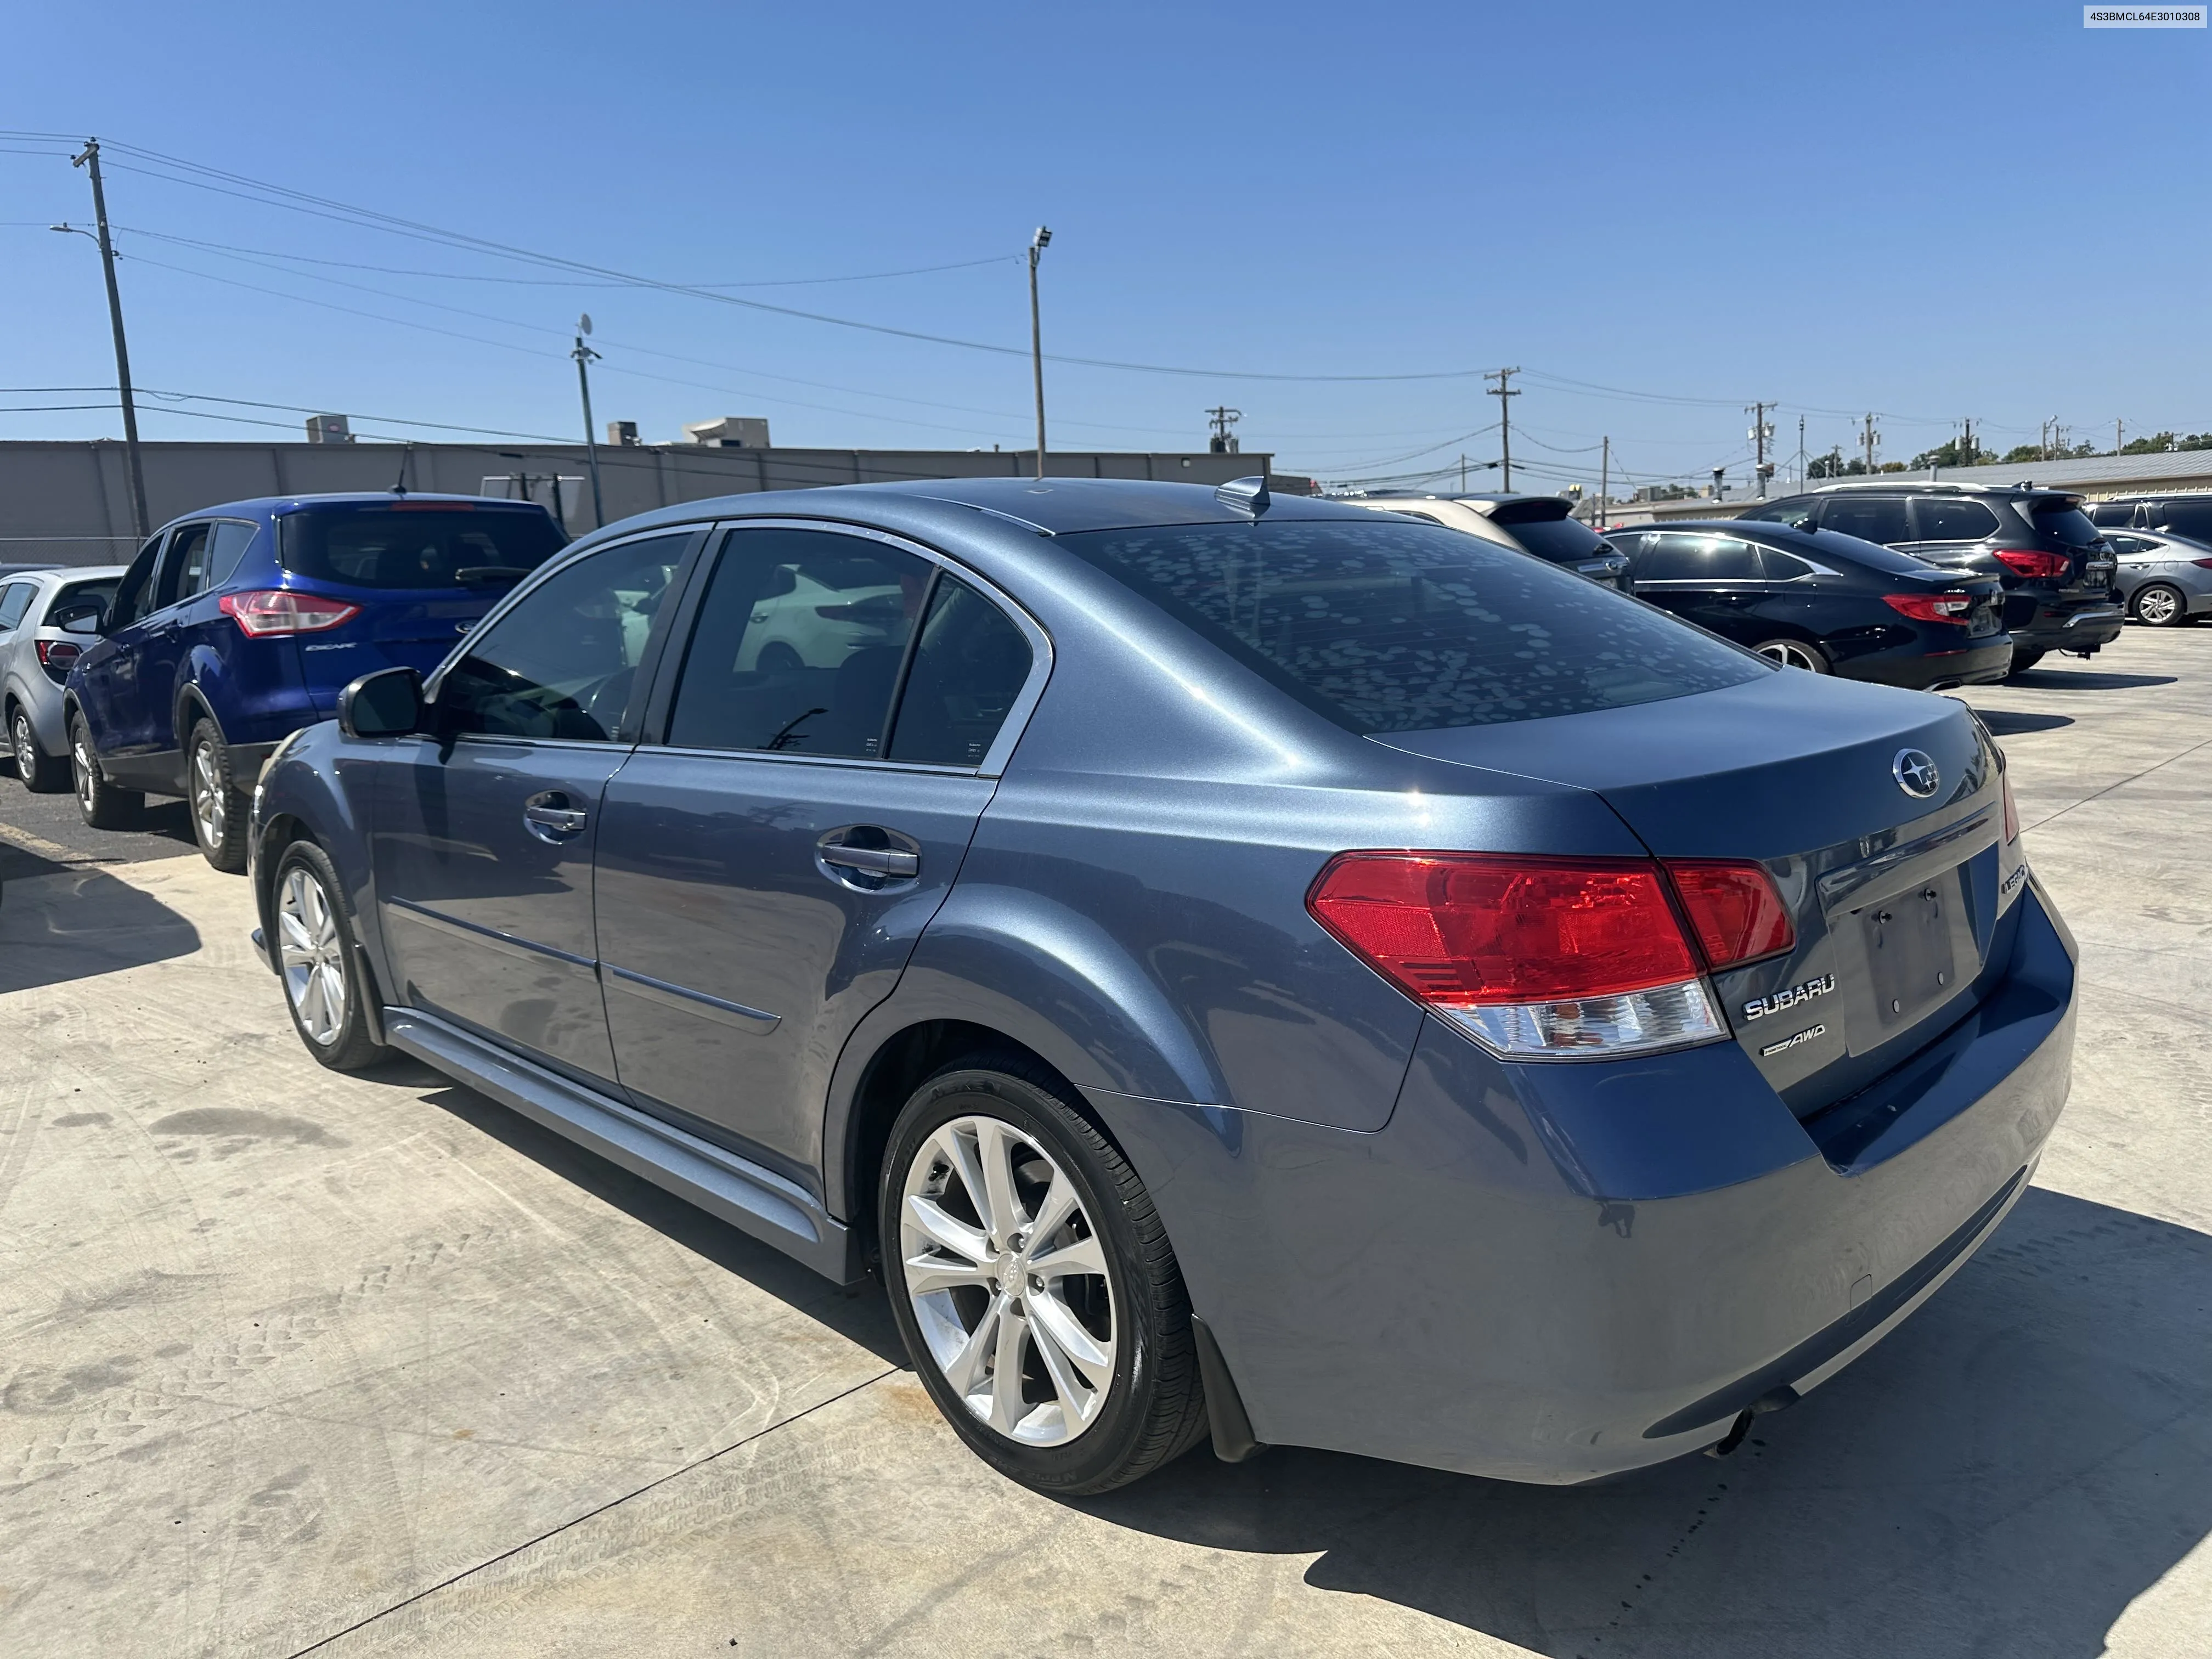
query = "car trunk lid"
{"x": 1895, "y": 894}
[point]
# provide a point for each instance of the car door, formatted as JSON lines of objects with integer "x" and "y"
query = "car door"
{"x": 765, "y": 866}
{"x": 144, "y": 726}
{"x": 107, "y": 676}
{"x": 1712, "y": 580}
{"x": 481, "y": 828}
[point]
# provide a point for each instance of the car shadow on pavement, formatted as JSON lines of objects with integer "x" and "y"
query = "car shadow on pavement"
{"x": 2011, "y": 722}
{"x": 78, "y": 922}
{"x": 856, "y": 1312}
{"x": 2004, "y": 1474}
{"x": 2085, "y": 679}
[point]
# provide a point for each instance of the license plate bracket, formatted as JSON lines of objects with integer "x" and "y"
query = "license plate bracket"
{"x": 1912, "y": 941}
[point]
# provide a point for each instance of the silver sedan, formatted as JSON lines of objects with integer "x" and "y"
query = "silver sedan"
{"x": 2164, "y": 581}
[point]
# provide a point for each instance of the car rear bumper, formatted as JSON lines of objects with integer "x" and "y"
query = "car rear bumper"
{"x": 2069, "y": 628}
{"x": 1555, "y": 1273}
{"x": 1918, "y": 671}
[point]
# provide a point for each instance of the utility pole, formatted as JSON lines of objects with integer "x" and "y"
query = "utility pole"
{"x": 1462, "y": 472}
{"x": 1762, "y": 433}
{"x": 2116, "y": 444}
{"x": 139, "y": 521}
{"x": 1604, "y": 477}
{"x": 1039, "y": 243}
{"x": 1872, "y": 440}
{"x": 1966, "y": 451}
{"x": 585, "y": 356}
{"x": 1221, "y": 417}
{"x": 1502, "y": 391}
{"x": 1801, "y": 451}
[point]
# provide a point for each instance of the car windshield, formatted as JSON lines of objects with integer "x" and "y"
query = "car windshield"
{"x": 1394, "y": 626}
{"x": 2062, "y": 519}
{"x": 418, "y": 544}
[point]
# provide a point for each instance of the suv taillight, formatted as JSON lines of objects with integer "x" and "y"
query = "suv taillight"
{"x": 1558, "y": 958}
{"x": 1932, "y": 607}
{"x": 55, "y": 656}
{"x": 275, "y": 611}
{"x": 2033, "y": 562}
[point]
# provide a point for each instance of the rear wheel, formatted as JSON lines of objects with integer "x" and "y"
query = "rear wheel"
{"x": 219, "y": 811}
{"x": 41, "y": 774}
{"x": 98, "y": 802}
{"x": 324, "y": 985}
{"x": 2160, "y": 604}
{"x": 2023, "y": 661}
{"x": 1034, "y": 1285}
{"x": 1795, "y": 654}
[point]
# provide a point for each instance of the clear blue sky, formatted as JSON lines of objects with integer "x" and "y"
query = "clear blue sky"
{"x": 1930, "y": 211}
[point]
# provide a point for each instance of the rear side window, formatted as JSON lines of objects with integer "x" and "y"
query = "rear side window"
{"x": 2063, "y": 521}
{"x": 2108, "y": 513}
{"x": 1798, "y": 514}
{"x": 2190, "y": 518}
{"x": 14, "y": 600}
{"x": 1878, "y": 519}
{"x": 1397, "y": 627}
{"x": 1936, "y": 518}
{"x": 406, "y": 545}
{"x": 1677, "y": 555}
{"x": 969, "y": 667}
{"x": 1782, "y": 567}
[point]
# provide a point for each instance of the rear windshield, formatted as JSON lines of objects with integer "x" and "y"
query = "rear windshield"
{"x": 406, "y": 545}
{"x": 2069, "y": 523}
{"x": 100, "y": 588}
{"x": 1394, "y": 626}
{"x": 1562, "y": 541}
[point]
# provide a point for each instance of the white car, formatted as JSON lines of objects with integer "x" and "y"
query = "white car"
{"x": 804, "y": 622}
{"x": 1542, "y": 524}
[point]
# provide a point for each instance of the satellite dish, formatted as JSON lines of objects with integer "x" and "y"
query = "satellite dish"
{"x": 584, "y": 322}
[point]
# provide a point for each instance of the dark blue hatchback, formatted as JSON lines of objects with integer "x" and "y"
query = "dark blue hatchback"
{"x": 237, "y": 625}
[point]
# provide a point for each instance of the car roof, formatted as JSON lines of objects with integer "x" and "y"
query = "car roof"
{"x": 1902, "y": 485}
{"x": 264, "y": 507}
{"x": 1052, "y": 506}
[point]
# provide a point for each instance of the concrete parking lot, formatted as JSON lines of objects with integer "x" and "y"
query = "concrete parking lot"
{"x": 292, "y": 1362}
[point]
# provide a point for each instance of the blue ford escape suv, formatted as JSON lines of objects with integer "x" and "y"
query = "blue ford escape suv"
{"x": 237, "y": 625}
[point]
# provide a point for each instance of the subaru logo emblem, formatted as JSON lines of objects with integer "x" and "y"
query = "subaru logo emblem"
{"x": 1915, "y": 773}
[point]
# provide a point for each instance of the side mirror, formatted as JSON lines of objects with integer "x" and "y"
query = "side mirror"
{"x": 85, "y": 616}
{"x": 385, "y": 704}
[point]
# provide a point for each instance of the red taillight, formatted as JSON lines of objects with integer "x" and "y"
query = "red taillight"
{"x": 2032, "y": 562}
{"x": 1932, "y": 607}
{"x": 275, "y": 611}
{"x": 1535, "y": 957}
{"x": 2012, "y": 813}
{"x": 55, "y": 656}
{"x": 1737, "y": 914}
{"x": 2202, "y": 564}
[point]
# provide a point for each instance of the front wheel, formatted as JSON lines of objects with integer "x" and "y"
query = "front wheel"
{"x": 219, "y": 811}
{"x": 1034, "y": 1285}
{"x": 1794, "y": 654}
{"x": 324, "y": 985}
{"x": 2158, "y": 604}
{"x": 99, "y": 803}
{"x": 40, "y": 773}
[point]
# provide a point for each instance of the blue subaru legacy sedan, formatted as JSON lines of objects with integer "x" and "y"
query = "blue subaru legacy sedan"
{"x": 1237, "y": 967}
{"x": 235, "y": 626}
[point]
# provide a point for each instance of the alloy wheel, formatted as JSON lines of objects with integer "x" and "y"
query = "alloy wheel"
{"x": 26, "y": 745}
{"x": 1006, "y": 1276}
{"x": 2157, "y": 607}
{"x": 210, "y": 802}
{"x": 87, "y": 779}
{"x": 313, "y": 956}
{"x": 1790, "y": 654}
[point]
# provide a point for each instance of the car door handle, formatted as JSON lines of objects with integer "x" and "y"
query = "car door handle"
{"x": 549, "y": 816}
{"x": 876, "y": 860}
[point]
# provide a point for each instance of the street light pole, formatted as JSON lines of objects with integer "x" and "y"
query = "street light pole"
{"x": 585, "y": 356}
{"x": 139, "y": 521}
{"x": 1039, "y": 243}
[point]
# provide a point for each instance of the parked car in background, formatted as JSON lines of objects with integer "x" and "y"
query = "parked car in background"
{"x": 35, "y": 662}
{"x": 2056, "y": 570}
{"x": 19, "y": 569}
{"x": 2186, "y": 513}
{"x": 1542, "y": 524}
{"x": 1236, "y": 965}
{"x": 1823, "y": 602}
{"x": 2164, "y": 581}
{"x": 237, "y": 625}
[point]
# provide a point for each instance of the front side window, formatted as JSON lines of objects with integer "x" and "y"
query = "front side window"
{"x": 186, "y": 559}
{"x": 14, "y": 600}
{"x": 1397, "y": 627}
{"x": 563, "y": 662}
{"x": 405, "y": 543}
{"x": 799, "y": 645}
{"x": 1938, "y": 519}
{"x": 1870, "y": 518}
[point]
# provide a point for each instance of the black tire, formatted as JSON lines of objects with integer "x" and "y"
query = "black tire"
{"x": 40, "y": 773}
{"x": 2023, "y": 661}
{"x": 2160, "y": 604}
{"x": 99, "y": 803}
{"x": 1153, "y": 1408}
{"x": 349, "y": 1043}
{"x": 1795, "y": 653}
{"x": 219, "y": 812}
